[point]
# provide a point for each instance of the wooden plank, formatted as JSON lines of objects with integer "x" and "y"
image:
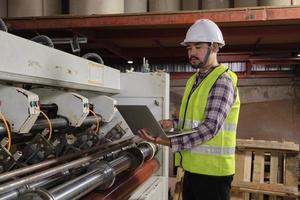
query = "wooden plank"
{"x": 282, "y": 177}
{"x": 263, "y": 144}
{"x": 242, "y": 172}
{"x": 236, "y": 196}
{"x": 247, "y": 172}
{"x": 274, "y": 168}
{"x": 178, "y": 184}
{"x": 258, "y": 171}
{"x": 239, "y": 166}
{"x": 291, "y": 171}
{"x": 264, "y": 188}
{"x": 273, "y": 171}
{"x": 281, "y": 158}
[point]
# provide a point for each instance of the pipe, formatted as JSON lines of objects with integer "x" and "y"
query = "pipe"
{"x": 93, "y": 57}
{"x": 99, "y": 173}
{"x": 18, "y": 172}
{"x": 42, "y": 183}
{"x": 60, "y": 123}
{"x": 52, "y": 106}
{"x": 50, "y": 172}
{"x": 79, "y": 186}
{"x": 3, "y": 26}
{"x": 44, "y": 40}
{"x": 56, "y": 123}
{"x": 125, "y": 185}
{"x": 104, "y": 173}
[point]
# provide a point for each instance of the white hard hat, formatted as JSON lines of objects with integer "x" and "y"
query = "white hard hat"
{"x": 204, "y": 30}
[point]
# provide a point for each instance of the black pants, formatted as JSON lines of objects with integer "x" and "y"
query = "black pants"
{"x": 203, "y": 187}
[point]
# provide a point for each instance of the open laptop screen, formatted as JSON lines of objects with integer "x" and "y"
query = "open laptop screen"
{"x": 139, "y": 116}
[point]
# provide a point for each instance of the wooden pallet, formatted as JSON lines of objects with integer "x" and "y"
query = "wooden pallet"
{"x": 178, "y": 184}
{"x": 266, "y": 170}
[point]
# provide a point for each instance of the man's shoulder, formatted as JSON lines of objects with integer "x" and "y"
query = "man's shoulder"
{"x": 225, "y": 77}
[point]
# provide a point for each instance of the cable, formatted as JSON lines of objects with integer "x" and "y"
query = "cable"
{"x": 7, "y": 130}
{"x": 97, "y": 120}
{"x": 49, "y": 123}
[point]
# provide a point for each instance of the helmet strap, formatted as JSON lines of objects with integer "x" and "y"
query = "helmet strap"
{"x": 206, "y": 56}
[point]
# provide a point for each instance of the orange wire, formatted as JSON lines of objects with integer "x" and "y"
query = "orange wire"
{"x": 97, "y": 120}
{"x": 49, "y": 123}
{"x": 7, "y": 130}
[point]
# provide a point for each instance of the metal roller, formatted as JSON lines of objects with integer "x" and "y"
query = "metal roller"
{"x": 58, "y": 123}
{"x": 100, "y": 174}
{"x": 106, "y": 148}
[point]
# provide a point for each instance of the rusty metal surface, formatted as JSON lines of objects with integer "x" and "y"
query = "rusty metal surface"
{"x": 238, "y": 15}
{"x": 258, "y": 32}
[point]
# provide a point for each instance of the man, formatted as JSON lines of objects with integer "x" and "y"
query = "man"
{"x": 210, "y": 105}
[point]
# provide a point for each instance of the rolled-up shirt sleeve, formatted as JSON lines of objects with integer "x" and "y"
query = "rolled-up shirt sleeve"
{"x": 219, "y": 102}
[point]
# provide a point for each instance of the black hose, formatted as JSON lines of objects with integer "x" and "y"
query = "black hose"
{"x": 43, "y": 39}
{"x": 93, "y": 57}
{"x": 3, "y": 26}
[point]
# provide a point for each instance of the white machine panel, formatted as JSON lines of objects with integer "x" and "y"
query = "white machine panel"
{"x": 70, "y": 105}
{"x": 39, "y": 64}
{"x": 20, "y": 107}
{"x": 103, "y": 105}
{"x": 153, "y": 189}
{"x": 151, "y": 89}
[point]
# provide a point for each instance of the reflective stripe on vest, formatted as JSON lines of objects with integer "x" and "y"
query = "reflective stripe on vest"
{"x": 191, "y": 124}
{"x": 206, "y": 149}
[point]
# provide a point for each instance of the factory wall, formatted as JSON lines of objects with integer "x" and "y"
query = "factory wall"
{"x": 270, "y": 108}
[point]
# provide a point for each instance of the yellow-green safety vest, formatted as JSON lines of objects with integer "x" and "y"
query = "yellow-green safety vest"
{"x": 214, "y": 157}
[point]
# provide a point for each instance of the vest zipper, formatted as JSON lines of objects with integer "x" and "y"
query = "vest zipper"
{"x": 188, "y": 99}
{"x": 195, "y": 85}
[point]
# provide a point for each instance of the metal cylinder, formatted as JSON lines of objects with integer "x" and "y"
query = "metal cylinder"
{"x": 81, "y": 185}
{"x": 89, "y": 7}
{"x": 25, "y": 8}
{"x": 163, "y": 5}
{"x": 51, "y": 7}
{"x": 57, "y": 123}
{"x": 148, "y": 150}
{"x": 126, "y": 185}
{"x": 275, "y": 2}
{"x": 216, "y": 4}
{"x": 3, "y": 8}
{"x": 100, "y": 173}
{"x": 245, "y": 3}
{"x": 135, "y": 6}
{"x": 190, "y": 5}
{"x": 103, "y": 173}
{"x": 42, "y": 183}
{"x": 296, "y": 2}
{"x": 11, "y": 185}
{"x": 108, "y": 148}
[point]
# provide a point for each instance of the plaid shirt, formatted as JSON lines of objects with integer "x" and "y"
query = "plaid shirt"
{"x": 220, "y": 100}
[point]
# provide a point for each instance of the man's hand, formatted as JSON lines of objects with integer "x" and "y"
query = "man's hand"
{"x": 166, "y": 124}
{"x": 157, "y": 140}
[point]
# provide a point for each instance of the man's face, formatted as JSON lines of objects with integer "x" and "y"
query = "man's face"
{"x": 196, "y": 53}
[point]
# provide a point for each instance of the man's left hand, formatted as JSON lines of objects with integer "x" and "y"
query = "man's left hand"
{"x": 157, "y": 140}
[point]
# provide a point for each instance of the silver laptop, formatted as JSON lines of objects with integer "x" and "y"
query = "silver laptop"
{"x": 139, "y": 116}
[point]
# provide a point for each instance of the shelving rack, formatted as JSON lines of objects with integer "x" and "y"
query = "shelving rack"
{"x": 257, "y": 35}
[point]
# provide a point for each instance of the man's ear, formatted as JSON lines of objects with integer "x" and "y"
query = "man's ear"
{"x": 215, "y": 48}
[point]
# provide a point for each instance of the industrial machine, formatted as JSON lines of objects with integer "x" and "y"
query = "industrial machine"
{"x": 61, "y": 135}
